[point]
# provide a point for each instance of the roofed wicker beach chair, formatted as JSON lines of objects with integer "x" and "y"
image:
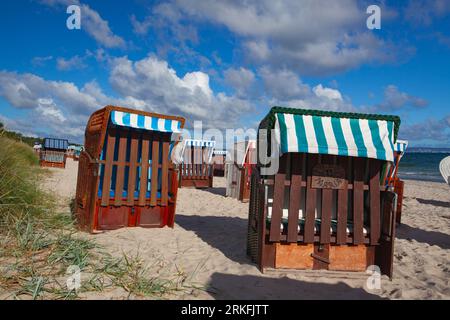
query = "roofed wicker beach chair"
{"x": 196, "y": 167}
{"x": 326, "y": 206}
{"x": 125, "y": 175}
{"x": 53, "y": 153}
{"x": 218, "y": 160}
{"x": 393, "y": 182}
{"x": 239, "y": 170}
{"x": 74, "y": 152}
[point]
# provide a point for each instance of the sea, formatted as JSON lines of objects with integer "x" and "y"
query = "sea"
{"x": 421, "y": 166}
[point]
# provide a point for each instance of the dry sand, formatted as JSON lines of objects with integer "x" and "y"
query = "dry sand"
{"x": 209, "y": 243}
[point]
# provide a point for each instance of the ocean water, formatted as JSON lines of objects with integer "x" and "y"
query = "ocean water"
{"x": 421, "y": 166}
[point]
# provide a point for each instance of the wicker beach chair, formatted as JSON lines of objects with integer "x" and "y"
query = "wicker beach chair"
{"x": 196, "y": 168}
{"x": 53, "y": 153}
{"x": 218, "y": 160}
{"x": 125, "y": 175}
{"x": 393, "y": 182}
{"x": 239, "y": 170}
{"x": 325, "y": 207}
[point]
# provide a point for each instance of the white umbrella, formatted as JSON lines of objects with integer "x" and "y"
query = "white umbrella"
{"x": 444, "y": 168}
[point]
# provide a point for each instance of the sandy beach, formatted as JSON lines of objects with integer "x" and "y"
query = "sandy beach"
{"x": 208, "y": 244}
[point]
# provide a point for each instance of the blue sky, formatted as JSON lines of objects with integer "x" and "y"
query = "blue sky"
{"x": 225, "y": 62}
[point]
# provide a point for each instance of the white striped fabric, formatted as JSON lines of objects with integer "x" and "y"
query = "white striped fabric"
{"x": 335, "y": 135}
{"x": 401, "y": 146}
{"x": 139, "y": 121}
{"x": 333, "y": 147}
{"x": 220, "y": 152}
{"x": 348, "y": 137}
{"x": 199, "y": 143}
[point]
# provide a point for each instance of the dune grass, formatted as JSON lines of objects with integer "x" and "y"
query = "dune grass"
{"x": 38, "y": 242}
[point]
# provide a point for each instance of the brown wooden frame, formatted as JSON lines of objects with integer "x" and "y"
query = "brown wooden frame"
{"x": 395, "y": 184}
{"x": 218, "y": 162}
{"x": 240, "y": 187}
{"x": 314, "y": 247}
{"x": 194, "y": 172}
{"x": 52, "y": 164}
{"x": 102, "y": 212}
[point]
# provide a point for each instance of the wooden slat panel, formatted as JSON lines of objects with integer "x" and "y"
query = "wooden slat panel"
{"x": 278, "y": 200}
{"x": 374, "y": 201}
{"x": 165, "y": 173}
{"x": 342, "y": 210}
{"x": 108, "y": 167}
{"x": 358, "y": 200}
{"x": 190, "y": 168}
{"x": 121, "y": 167}
{"x": 155, "y": 161}
{"x": 327, "y": 198}
{"x": 203, "y": 165}
{"x": 311, "y": 195}
{"x": 295, "y": 196}
{"x": 133, "y": 167}
{"x": 198, "y": 162}
{"x": 143, "y": 182}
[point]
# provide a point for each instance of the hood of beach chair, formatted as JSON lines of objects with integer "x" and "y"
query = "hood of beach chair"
{"x": 179, "y": 154}
{"x": 111, "y": 117}
{"x": 334, "y": 133}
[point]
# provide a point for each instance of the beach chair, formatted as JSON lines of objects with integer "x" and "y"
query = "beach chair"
{"x": 74, "y": 152}
{"x": 218, "y": 160}
{"x": 53, "y": 153}
{"x": 239, "y": 170}
{"x": 125, "y": 175}
{"x": 393, "y": 182}
{"x": 196, "y": 169}
{"x": 325, "y": 207}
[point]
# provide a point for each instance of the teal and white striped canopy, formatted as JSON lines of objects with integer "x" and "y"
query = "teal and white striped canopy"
{"x": 401, "y": 146}
{"x": 368, "y": 138}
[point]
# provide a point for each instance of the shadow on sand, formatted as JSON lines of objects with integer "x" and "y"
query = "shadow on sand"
{"x": 431, "y": 237}
{"x": 227, "y": 234}
{"x": 220, "y": 191}
{"x": 229, "y": 286}
{"x": 437, "y": 203}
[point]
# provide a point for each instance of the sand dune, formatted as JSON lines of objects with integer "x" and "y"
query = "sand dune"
{"x": 209, "y": 243}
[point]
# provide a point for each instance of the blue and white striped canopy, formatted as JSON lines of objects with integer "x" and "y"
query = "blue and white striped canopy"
{"x": 220, "y": 152}
{"x": 400, "y": 146}
{"x": 200, "y": 143}
{"x": 139, "y": 121}
{"x": 334, "y": 135}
